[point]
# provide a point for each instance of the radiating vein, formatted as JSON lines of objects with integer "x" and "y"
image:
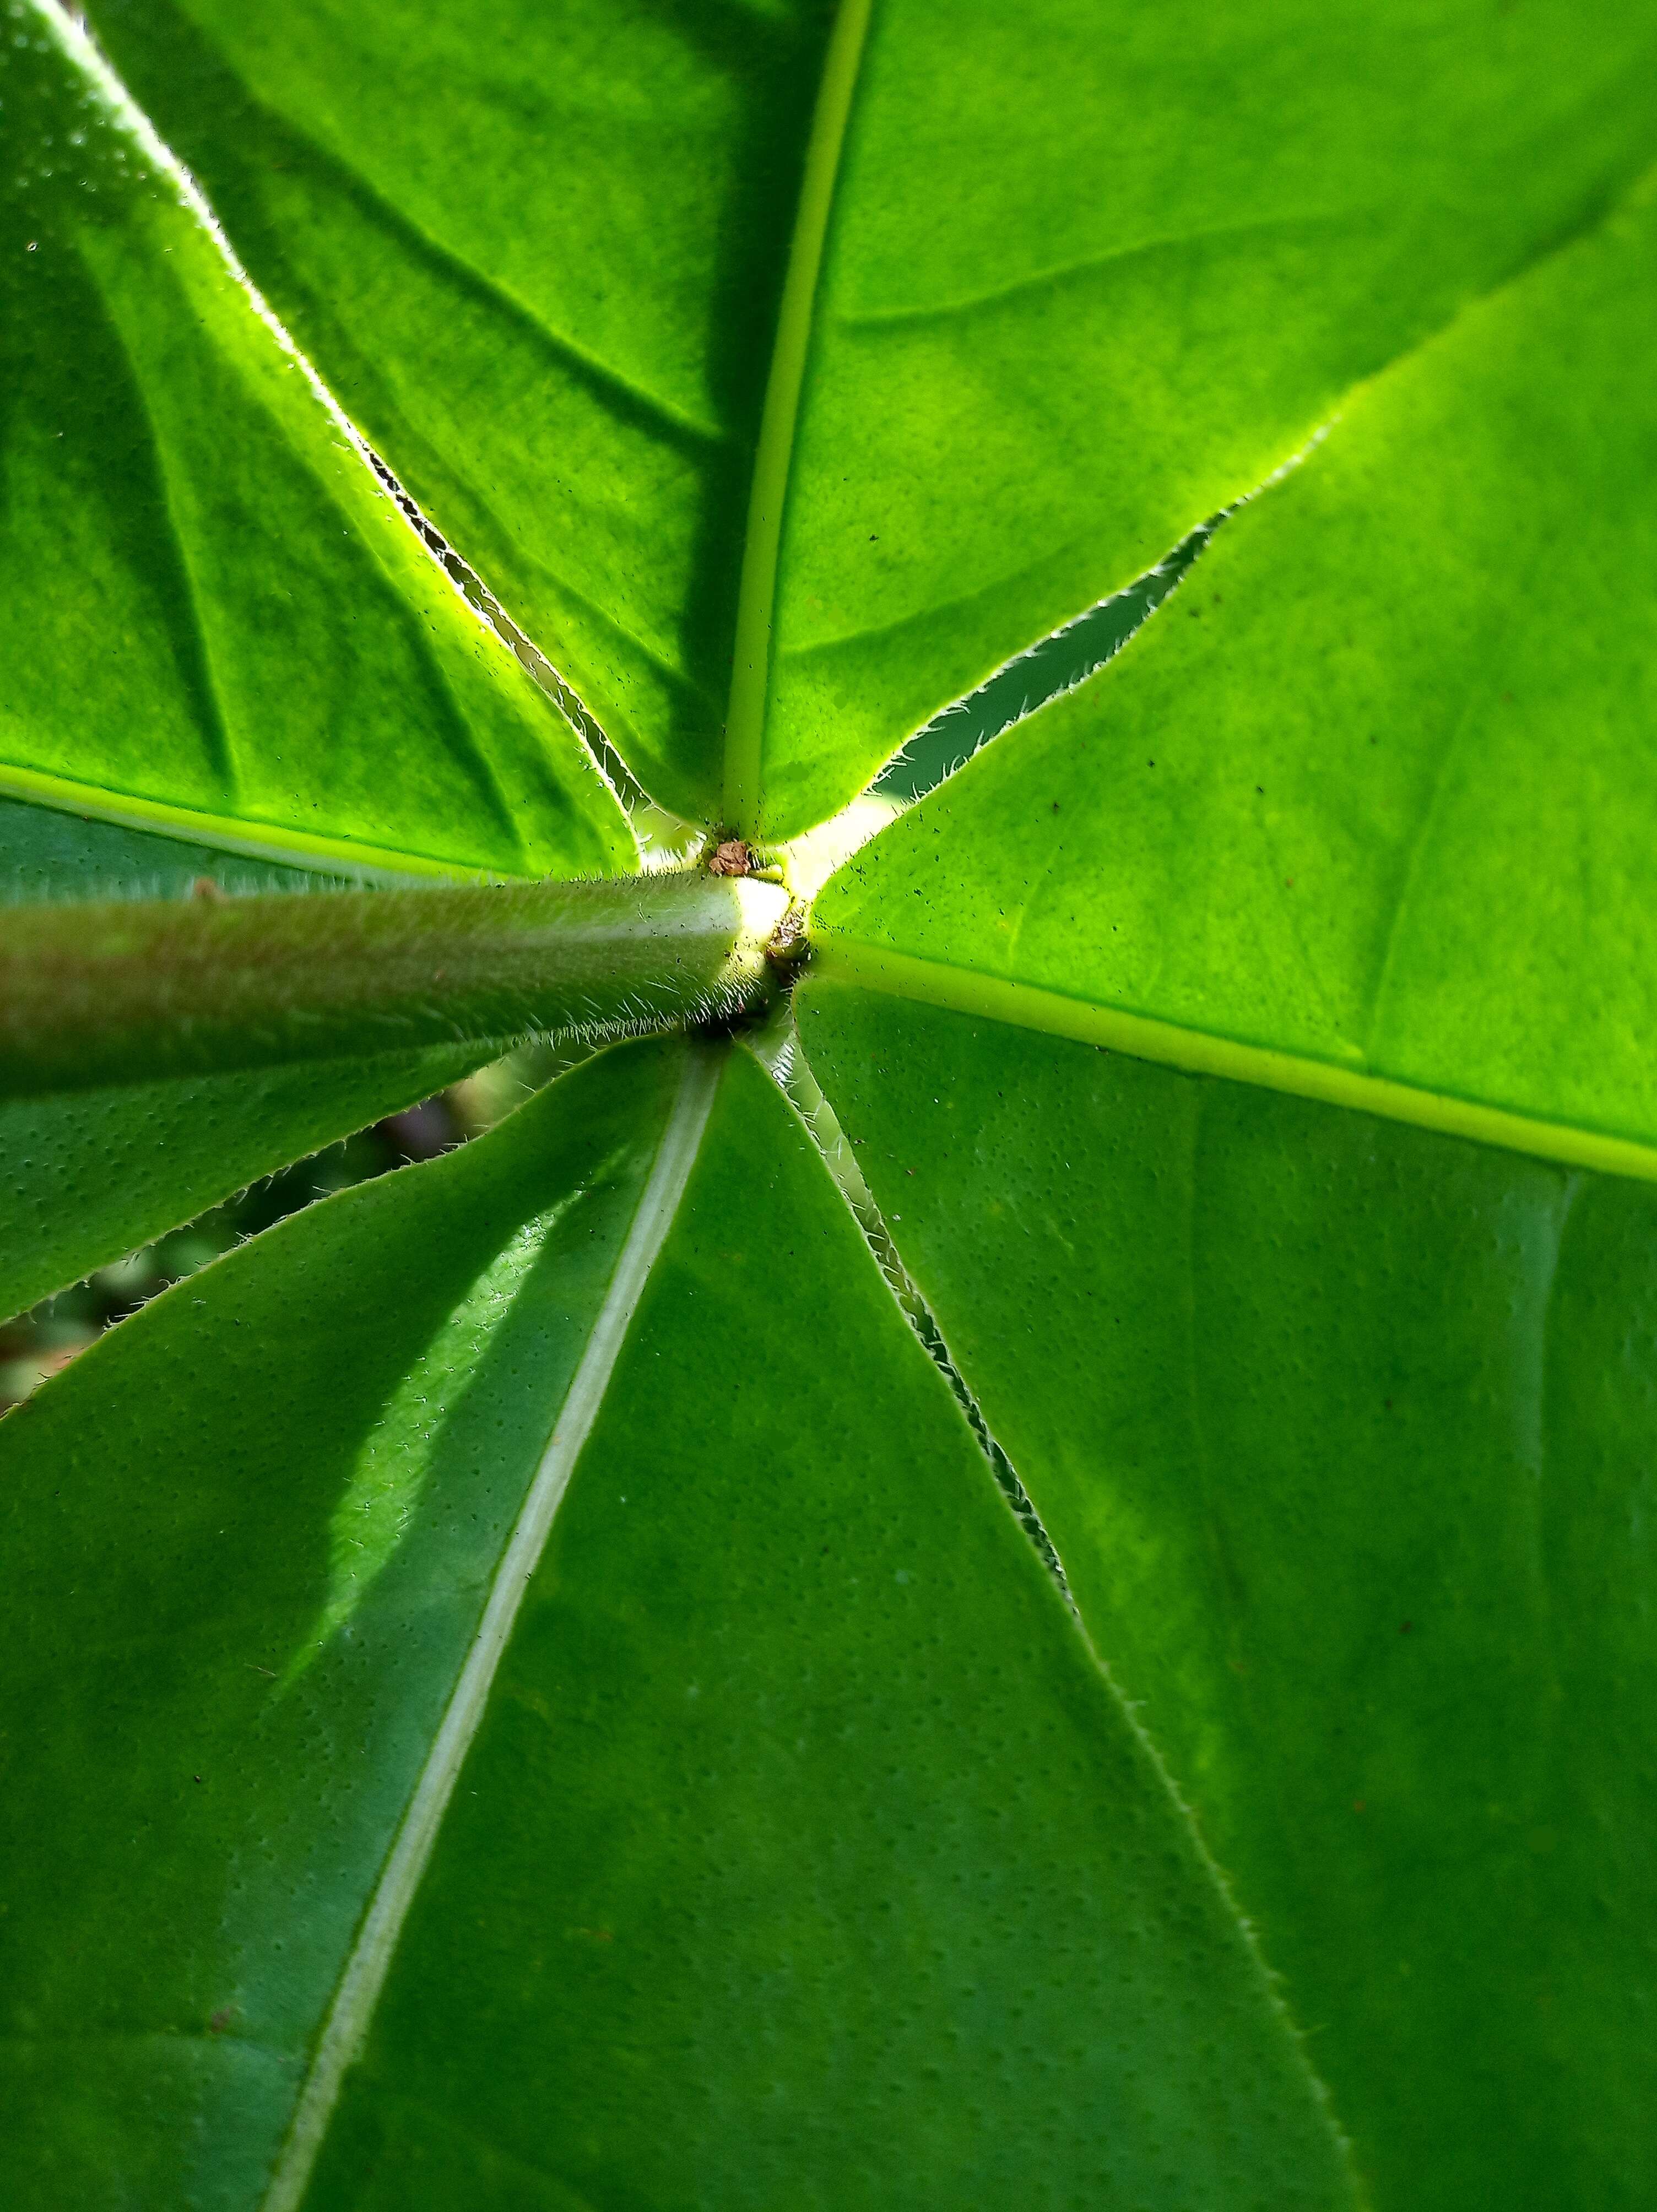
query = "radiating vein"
{"x": 365, "y": 1971}
{"x": 258, "y": 841}
{"x": 1199, "y": 1052}
{"x": 1044, "y": 280}
{"x": 744, "y": 726}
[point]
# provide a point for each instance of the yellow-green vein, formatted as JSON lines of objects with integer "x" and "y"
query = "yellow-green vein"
{"x": 745, "y": 721}
{"x": 1196, "y": 1052}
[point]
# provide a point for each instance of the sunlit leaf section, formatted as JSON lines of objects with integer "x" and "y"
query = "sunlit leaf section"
{"x": 1095, "y": 273}
{"x": 538, "y": 251}
{"x": 1376, "y": 788}
{"x": 213, "y": 620}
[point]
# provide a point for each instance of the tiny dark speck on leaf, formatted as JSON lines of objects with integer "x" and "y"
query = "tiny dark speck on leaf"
{"x": 1358, "y": 1804}
{"x": 222, "y": 2018}
{"x": 1404, "y": 1627}
{"x": 195, "y": 1778}
{"x": 1261, "y": 789}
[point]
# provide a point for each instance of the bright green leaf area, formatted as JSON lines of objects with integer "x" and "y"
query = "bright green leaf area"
{"x": 802, "y": 1854}
{"x": 1343, "y": 1432}
{"x": 1087, "y": 278}
{"x": 537, "y": 253}
{"x": 213, "y": 620}
{"x": 1375, "y": 788}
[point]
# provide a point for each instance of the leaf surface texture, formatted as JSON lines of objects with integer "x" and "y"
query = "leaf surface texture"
{"x": 213, "y": 619}
{"x": 541, "y": 255}
{"x": 755, "y": 1642}
{"x": 1372, "y": 792}
{"x": 1340, "y": 1428}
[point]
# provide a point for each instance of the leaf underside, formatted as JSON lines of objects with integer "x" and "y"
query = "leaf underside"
{"x": 769, "y": 1831}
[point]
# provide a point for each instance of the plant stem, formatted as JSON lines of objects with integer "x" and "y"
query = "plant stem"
{"x": 119, "y": 991}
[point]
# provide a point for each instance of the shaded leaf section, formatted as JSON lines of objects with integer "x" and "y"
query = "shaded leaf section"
{"x": 1342, "y": 1431}
{"x": 88, "y": 1175}
{"x": 215, "y": 621}
{"x": 241, "y": 1545}
{"x": 48, "y": 853}
{"x": 803, "y": 1854}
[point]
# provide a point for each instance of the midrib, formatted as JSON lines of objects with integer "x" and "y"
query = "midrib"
{"x": 255, "y": 841}
{"x": 750, "y": 663}
{"x": 363, "y": 1977}
{"x": 1197, "y": 1052}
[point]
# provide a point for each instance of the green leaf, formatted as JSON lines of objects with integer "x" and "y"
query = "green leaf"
{"x": 537, "y": 253}
{"x": 1049, "y": 339}
{"x": 213, "y": 619}
{"x": 1336, "y": 1422}
{"x": 88, "y": 1176}
{"x": 1368, "y": 809}
{"x": 1342, "y": 1431}
{"x": 780, "y": 1798}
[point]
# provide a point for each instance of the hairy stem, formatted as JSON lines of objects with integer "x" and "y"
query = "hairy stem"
{"x": 122, "y": 990}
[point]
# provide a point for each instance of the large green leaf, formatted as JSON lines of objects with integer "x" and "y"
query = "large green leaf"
{"x": 213, "y": 620}
{"x": 1373, "y": 796}
{"x": 1343, "y": 1430}
{"x": 1062, "y": 283}
{"x": 773, "y": 1838}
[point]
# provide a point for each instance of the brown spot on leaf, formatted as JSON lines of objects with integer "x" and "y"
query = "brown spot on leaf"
{"x": 733, "y": 858}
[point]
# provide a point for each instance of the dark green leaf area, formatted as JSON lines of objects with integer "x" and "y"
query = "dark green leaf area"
{"x": 211, "y": 617}
{"x": 247, "y": 1539}
{"x": 537, "y": 251}
{"x": 1376, "y": 786}
{"x": 805, "y": 1857}
{"x": 89, "y": 1175}
{"x": 1344, "y": 1433}
{"x": 46, "y": 853}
